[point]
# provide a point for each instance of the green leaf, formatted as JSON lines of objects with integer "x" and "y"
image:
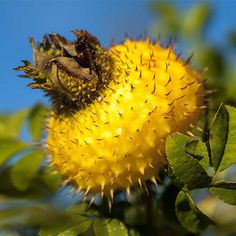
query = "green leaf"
{"x": 37, "y": 121}
{"x": 72, "y": 222}
{"x": 135, "y": 215}
{"x": 198, "y": 150}
{"x": 187, "y": 169}
{"x": 229, "y": 157}
{"x": 169, "y": 21}
{"x": 10, "y": 125}
{"x": 24, "y": 170}
{"x": 195, "y": 19}
{"x": 189, "y": 215}
{"x": 223, "y": 184}
{"x": 109, "y": 228}
{"x": 70, "y": 226}
{"x": 10, "y": 148}
{"x": 224, "y": 194}
{"x": 51, "y": 178}
{"x": 218, "y": 136}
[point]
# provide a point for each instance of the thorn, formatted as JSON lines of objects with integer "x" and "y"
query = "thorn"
{"x": 102, "y": 188}
{"x": 91, "y": 201}
{"x": 126, "y": 35}
{"x": 169, "y": 80}
{"x": 151, "y": 165}
{"x": 154, "y": 76}
{"x": 146, "y": 189}
{"x": 128, "y": 167}
{"x": 154, "y": 89}
{"x": 112, "y": 194}
{"x": 167, "y": 94}
{"x": 167, "y": 66}
{"x": 32, "y": 43}
{"x": 113, "y": 42}
{"x": 158, "y": 39}
{"x": 178, "y": 56}
{"x": 126, "y": 72}
{"x": 128, "y": 193}
{"x": 109, "y": 205}
{"x": 208, "y": 92}
{"x": 129, "y": 179}
{"x": 159, "y": 152}
{"x": 168, "y": 56}
{"x": 84, "y": 198}
{"x": 141, "y": 170}
{"x": 188, "y": 60}
{"x": 141, "y": 59}
{"x": 140, "y": 74}
{"x": 203, "y": 107}
{"x": 140, "y": 182}
{"x": 153, "y": 179}
{"x": 190, "y": 134}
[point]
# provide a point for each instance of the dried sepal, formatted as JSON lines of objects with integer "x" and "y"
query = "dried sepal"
{"x": 72, "y": 73}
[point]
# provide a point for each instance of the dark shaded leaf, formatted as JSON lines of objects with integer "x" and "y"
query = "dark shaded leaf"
{"x": 37, "y": 121}
{"x": 24, "y": 170}
{"x": 218, "y": 136}
{"x": 168, "y": 202}
{"x": 187, "y": 169}
{"x": 189, "y": 215}
{"x": 109, "y": 228}
{"x": 135, "y": 215}
{"x": 10, "y": 148}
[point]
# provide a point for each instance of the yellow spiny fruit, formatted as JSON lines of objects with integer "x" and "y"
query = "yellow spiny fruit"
{"x": 119, "y": 139}
{"x": 115, "y": 136}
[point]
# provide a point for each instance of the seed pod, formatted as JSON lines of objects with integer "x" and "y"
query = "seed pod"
{"x": 140, "y": 92}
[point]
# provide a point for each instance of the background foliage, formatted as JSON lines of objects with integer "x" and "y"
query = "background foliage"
{"x": 34, "y": 201}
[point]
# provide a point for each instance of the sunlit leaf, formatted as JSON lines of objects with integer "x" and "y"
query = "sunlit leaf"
{"x": 74, "y": 221}
{"x": 10, "y": 125}
{"x": 186, "y": 168}
{"x": 189, "y": 215}
{"x": 71, "y": 226}
{"x": 133, "y": 232}
{"x": 17, "y": 212}
{"x": 37, "y": 121}
{"x": 24, "y": 170}
{"x": 10, "y": 148}
{"x": 109, "y": 228}
{"x": 218, "y": 136}
{"x": 229, "y": 157}
{"x": 227, "y": 195}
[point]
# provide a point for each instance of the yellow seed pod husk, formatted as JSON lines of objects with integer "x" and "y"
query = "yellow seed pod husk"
{"x": 118, "y": 140}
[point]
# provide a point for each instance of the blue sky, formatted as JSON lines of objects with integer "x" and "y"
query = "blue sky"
{"x": 106, "y": 19}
